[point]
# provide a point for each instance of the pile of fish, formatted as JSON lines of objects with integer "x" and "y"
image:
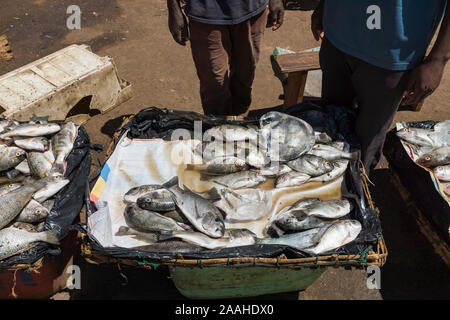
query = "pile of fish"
{"x": 238, "y": 160}
{"x": 431, "y": 148}
{"x": 32, "y": 167}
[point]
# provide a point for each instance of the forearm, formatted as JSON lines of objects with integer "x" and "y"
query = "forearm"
{"x": 173, "y": 5}
{"x": 441, "y": 49}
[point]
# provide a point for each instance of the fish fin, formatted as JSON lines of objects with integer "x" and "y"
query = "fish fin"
{"x": 170, "y": 183}
{"x": 165, "y": 235}
{"x": 353, "y": 155}
{"x": 58, "y": 169}
{"x": 51, "y": 237}
{"x": 212, "y": 194}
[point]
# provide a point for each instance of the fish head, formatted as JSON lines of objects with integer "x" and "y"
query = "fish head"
{"x": 427, "y": 160}
{"x": 328, "y": 165}
{"x": 440, "y": 172}
{"x": 143, "y": 202}
{"x": 213, "y": 225}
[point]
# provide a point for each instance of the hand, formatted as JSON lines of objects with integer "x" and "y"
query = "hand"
{"x": 276, "y": 14}
{"x": 423, "y": 80}
{"x": 178, "y": 25}
{"x": 316, "y": 23}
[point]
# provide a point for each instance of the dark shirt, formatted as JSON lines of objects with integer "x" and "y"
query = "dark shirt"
{"x": 224, "y": 11}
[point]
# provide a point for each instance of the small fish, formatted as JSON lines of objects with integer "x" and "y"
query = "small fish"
{"x": 296, "y": 221}
{"x": 40, "y": 163}
{"x": 8, "y": 187}
{"x": 339, "y": 168}
{"x": 10, "y": 157}
{"x": 437, "y": 157}
{"x": 291, "y": 179}
{"x": 311, "y": 165}
{"x": 14, "y": 241}
{"x": 238, "y": 180}
{"x": 442, "y": 173}
{"x": 34, "y": 212}
{"x": 221, "y": 166}
{"x": 415, "y": 136}
{"x": 330, "y": 153}
{"x": 62, "y": 144}
{"x": 151, "y": 237}
{"x": 331, "y": 209}
{"x": 40, "y": 144}
{"x": 338, "y": 234}
{"x": 158, "y": 200}
{"x": 149, "y": 220}
{"x": 53, "y": 186}
{"x": 134, "y": 193}
{"x": 31, "y": 130}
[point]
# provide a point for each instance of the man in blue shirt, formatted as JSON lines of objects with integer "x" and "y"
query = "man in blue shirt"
{"x": 225, "y": 38}
{"x": 373, "y": 57}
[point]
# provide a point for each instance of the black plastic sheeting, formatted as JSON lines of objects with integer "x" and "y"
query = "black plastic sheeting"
{"x": 68, "y": 202}
{"x": 338, "y": 122}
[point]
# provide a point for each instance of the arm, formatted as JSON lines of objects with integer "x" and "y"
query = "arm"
{"x": 425, "y": 78}
{"x": 316, "y": 21}
{"x": 276, "y": 14}
{"x": 177, "y": 23}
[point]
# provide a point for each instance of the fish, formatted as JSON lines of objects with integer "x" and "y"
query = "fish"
{"x": 33, "y": 212}
{"x": 158, "y": 200}
{"x": 435, "y": 158}
{"x": 339, "y": 168}
{"x": 10, "y": 157}
{"x": 218, "y": 149}
{"x": 6, "y": 124}
{"x": 151, "y": 237}
{"x": 274, "y": 170}
{"x": 322, "y": 137}
{"x": 330, "y": 153}
{"x": 238, "y": 180}
{"x": 297, "y": 221}
{"x": 331, "y": 209}
{"x": 311, "y": 165}
{"x": 40, "y": 144}
{"x": 202, "y": 214}
{"x": 12, "y": 203}
{"x": 141, "y": 219}
{"x": 52, "y": 187}
{"x": 177, "y": 216}
{"x": 230, "y": 132}
{"x": 12, "y": 173}
{"x": 221, "y": 166}
{"x": 415, "y": 136}
{"x": 338, "y": 234}
{"x": 442, "y": 173}
{"x": 291, "y": 179}
{"x": 134, "y": 193}
{"x": 40, "y": 163}
{"x": 48, "y": 204}
{"x": 23, "y": 167}
{"x": 8, "y": 187}
{"x": 31, "y": 130}
{"x": 24, "y": 226}
{"x": 244, "y": 204}
{"x": 285, "y": 136}
{"x": 298, "y": 240}
{"x": 446, "y": 188}
{"x": 231, "y": 238}
{"x": 62, "y": 144}
{"x": 14, "y": 241}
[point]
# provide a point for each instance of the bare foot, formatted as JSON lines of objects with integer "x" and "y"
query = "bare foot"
{"x": 245, "y": 114}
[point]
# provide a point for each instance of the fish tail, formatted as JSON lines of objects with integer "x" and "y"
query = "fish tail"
{"x": 51, "y": 236}
{"x": 165, "y": 235}
{"x": 58, "y": 168}
{"x": 172, "y": 182}
{"x": 353, "y": 155}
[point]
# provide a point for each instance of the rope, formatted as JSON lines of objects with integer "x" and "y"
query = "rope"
{"x": 13, "y": 293}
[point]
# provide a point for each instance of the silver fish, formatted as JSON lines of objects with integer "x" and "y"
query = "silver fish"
{"x": 220, "y": 166}
{"x": 291, "y": 179}
{"x": 175, "y": 246}
{"x": 149, "y": 220}
{"x": 339, "y": 167}
{"x": 33, "y": 212}
{"x": 311, "y": 165}
{"x": 23, "y": 167}
{"x": 286, "y": 137}
{"x": 7, "y": 124}
{"x": 14, "y": 241}
{"x": 40, "y": 163}
{"x": 62, "y": 144}
{"x": 274, "y": 170}
{"x": 442, "y": 173}
{"x": 331, "y": 209}
{"x": 230, "y": 132}
{"x": 338, "y": 234}
{"x": 158, "y": 200}
{"x": 415, "y": 136}
{"x": 322, "y": 137}
{"x": 24, "y": 226}
{"x": 151, "y": 237}
{"x": 330, "y": 153}
{"x": 203, "y": 215}
{"x": 40, "y": 144}
{"x": 31, "y": 130}
{"x": 296, "y": 221}
{"x": 10, "y": 157}
{"x": 437, "y": 157}
{"x": 8, "y": 187}
{"x": 238, "y": 180}
{"x": 53, "y": 186}
{"x": 134, "y": 193}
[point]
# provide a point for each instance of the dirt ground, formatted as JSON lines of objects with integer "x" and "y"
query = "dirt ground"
{"x": 135, "y": 34}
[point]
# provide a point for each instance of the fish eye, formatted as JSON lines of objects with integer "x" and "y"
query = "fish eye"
{"x": 147, "y": 200}
{"x": 18, "y": 154}
{"x": 428, "y": 158}
{"x": 10, "y": 185}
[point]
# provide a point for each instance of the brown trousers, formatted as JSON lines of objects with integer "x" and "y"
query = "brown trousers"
{"x": 225, "y": 57}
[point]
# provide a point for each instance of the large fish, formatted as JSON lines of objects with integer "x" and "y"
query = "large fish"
{"x": 230, "y": 132}
{"x": 10, "y": 157}
{"x": 149, "y": 220}
{"x": 8, "y": 187}
{"x": 330, "y": 153}
{"x": 437, "y": 157}
{"x": 274, "y": 170}
{"x": 40, "y": 163}
{"x": 40, "y": 144}
{"x": 31, "y": 130}
{"x": 157, "y": 200}
{"x": 231, "y": 238}
{"x": 134, "y": 193}
{"x": 291, "y": 179}
{"x": 52, "y": 187}
{"x": 14, "y": 241}
{"x": 151, "y": 237}
{"x": 62, "y": 144}
{"x": 338, "y": 234}
{"x": 238, "y": 180}
{"x": 296, "y": 221}
{"x": 34, "y": 212}
{"x": 311, "y": 165}
{"x": 203, "y": 215}
{"x": 442, "y": 172}
{"x": 339, "y": 167}
{"x": 12, "y": 203}
{"x": 331, "y": 209}
{"x": 220, "y": 166}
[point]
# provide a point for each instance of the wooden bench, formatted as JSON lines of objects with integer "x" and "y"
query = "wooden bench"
{"x": 297, "y": 65}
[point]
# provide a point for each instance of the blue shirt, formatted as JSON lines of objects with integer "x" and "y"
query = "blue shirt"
{"x": 224, "y": 11}
{"x": 393, "y": 35}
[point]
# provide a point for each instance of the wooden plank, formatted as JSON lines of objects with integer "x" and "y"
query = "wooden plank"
{"x": 295, "y": 88}
{"x": 293, "y": 62}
